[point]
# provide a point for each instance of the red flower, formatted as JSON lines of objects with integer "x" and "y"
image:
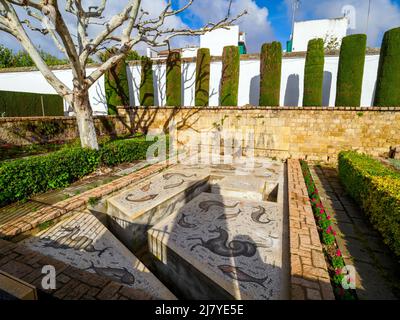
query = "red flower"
{"x": 338, "y": 253}
{"x": 338, "y": 271}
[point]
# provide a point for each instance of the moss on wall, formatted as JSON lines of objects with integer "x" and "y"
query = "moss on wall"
{"x": 388, "y": 83}
{"x": 146, "y": 83}
{"x": 174, "y": 85}
{"x": 351, "y": 70}
{"x": 230, "y": 76}
{"x": 314, "y": 73}
{"x": 202, "y": 77}
{"x": 270, "y": 74}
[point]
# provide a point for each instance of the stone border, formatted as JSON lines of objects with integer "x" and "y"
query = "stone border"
{"x": 71, "y": 283}
{"x": 309, "y": 273}
{"x": 34, "y": 219}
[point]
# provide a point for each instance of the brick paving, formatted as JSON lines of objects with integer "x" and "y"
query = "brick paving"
{"x": 309, "y": 274}
{"x": 377, "y": 271}
{"x": 71, "y": 283}
{"x": 31, "y": 220}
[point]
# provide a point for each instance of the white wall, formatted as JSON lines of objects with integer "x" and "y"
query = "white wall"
{"x": 33, "y": 81}
{"x": 249, "y": 83}
{"x": 304, "y": 31}
{"x": 216, "y": 40}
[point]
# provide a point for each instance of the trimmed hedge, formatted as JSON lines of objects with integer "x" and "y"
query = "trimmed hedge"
{"x": 116, "y": 87}
{"x": 146, "y": 83}
{"x": 270, "y": 74}
{"x": 230, "y": 76}
{"x": 388, "y": 84}
{"x": 376, "y": 188}
{"x": 314, "y": 73}
{"x": 22, "y": 178}
{"x": 174, "y": 81}
{"x": 25, "y": 104}
{"x": 202, "y": 77}
{"x": 351, "y": 70}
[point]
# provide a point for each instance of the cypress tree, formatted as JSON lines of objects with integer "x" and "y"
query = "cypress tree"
{"x": 174, "y": 85}
{"x": 230, "y": 76}
{"x": 351, "y": 70}
{"x": 314, "y": 73}
{"x": 270, "y": 74}
{"x": 388, "y": 83}
{"x": 202, "y": 77}
{"x": 146, "y": 83}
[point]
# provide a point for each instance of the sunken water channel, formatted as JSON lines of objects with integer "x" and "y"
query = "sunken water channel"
{"x": 190, "y": 232}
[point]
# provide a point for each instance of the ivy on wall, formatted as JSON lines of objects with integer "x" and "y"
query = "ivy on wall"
{"x": 388, "y": 82}
{"x": 174, "y": 79}
{"x": 270, "y": 74}
{"x": 146, "y": 83}
{"x": 202, "y": 77}
{"x": 351, "y": 70}
{"x": 230, "y": 76}
{"x": 314, "y": 73}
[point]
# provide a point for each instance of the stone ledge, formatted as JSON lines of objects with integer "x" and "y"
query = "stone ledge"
{"x": 34, "y": 219}
{"x": 309, "y": 273}
{"x": 71, "y": 283}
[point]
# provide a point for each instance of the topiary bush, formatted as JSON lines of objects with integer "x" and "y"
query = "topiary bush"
{"x": 230, "y": 76}
{"x": 116, "y": 87}
{"x": 270, "y": 74}
{"x": 388, "y": 83}
{"x": 376, "y": 188}
{"x": 314, "y": 73}
{"x": 174, "y": 79}
{"x": 202, "y": 77}
{"x": 146, "y": 83}
{"x": 351, "y": 70}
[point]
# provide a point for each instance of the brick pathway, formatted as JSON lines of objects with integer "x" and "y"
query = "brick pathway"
{"x": 72, "y": 283}
{"x": 378, "y": 273}
{"x": 309, "y": 275}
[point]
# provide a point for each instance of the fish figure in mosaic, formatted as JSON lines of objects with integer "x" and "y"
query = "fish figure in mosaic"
{"x": 256, "y": 215}
{"x": 227, "y": 167}
{"x": 237, "y": 274}
{"x": 229, "y": 216}
{"x": 222, "y": 247}
{"x": 143, "y": 199}
{"x": 71, "y": 240}
{"x": 174, "y": 185}
{"x": 146, "y": 187}
{"x": 184, "y": 224}
{"x": 168, "y": 176}
{"x": 206, "y": 205}
{"x": 121, "y": 275}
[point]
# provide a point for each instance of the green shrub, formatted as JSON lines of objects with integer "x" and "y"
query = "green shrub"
{"x": 388, "y": 83}
{"x": 230, "y": 76}
{"x": 351, "y": 70}
{"x": 116, "y": 86}
{"x": 314, "y": 73}
{"x": 270, "y": 74}
{"x": 22, "y": 178}
{"x": 174, "y": 81}
{"x": 25, "y": 104}
{"x": 376, "y": 188}
{"x": 146, "y": 83}
{"x": 202, "y": 77}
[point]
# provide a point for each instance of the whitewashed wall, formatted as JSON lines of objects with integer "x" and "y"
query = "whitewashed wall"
{"x": 249, "y": 83}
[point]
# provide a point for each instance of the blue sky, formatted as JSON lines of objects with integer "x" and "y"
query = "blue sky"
{"x": 267, "y": 20}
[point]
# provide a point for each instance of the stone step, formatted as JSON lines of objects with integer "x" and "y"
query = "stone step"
{"x": 83, "y": 242}
{"x": 135, "y": 210}
{"x": 218, "y": 247}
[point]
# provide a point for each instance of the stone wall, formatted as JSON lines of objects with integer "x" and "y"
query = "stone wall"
{"x": 311, "y": 133}
{"x": 33, "y": 130}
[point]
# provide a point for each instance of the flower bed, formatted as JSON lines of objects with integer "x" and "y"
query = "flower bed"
{"x": 327, "y": 234}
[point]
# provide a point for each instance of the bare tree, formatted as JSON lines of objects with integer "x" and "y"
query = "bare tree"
{"x": 124, "y": 30}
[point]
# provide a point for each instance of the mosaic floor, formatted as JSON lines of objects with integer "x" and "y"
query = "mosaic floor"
{"x": 236, "y": 243}
{"x": 83, "y": 242}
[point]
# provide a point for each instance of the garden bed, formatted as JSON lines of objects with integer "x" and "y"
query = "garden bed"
{"x": 333, "y": 255}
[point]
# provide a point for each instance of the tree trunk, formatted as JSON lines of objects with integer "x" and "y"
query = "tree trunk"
{"x": 84, "y": 118}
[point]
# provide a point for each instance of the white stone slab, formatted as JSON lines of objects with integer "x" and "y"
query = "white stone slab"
{"x": 244, "y": 187}
{"x": 237, "y": 244}
{"x": 83, "y": 242}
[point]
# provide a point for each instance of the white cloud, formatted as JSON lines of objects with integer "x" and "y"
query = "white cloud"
{"x": 384, "y": 15}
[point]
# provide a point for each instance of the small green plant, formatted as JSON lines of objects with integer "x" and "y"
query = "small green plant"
{"x": 45, "y": 225}
{"x": 360, "y": 114}
{"x": 94, "y": 201}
